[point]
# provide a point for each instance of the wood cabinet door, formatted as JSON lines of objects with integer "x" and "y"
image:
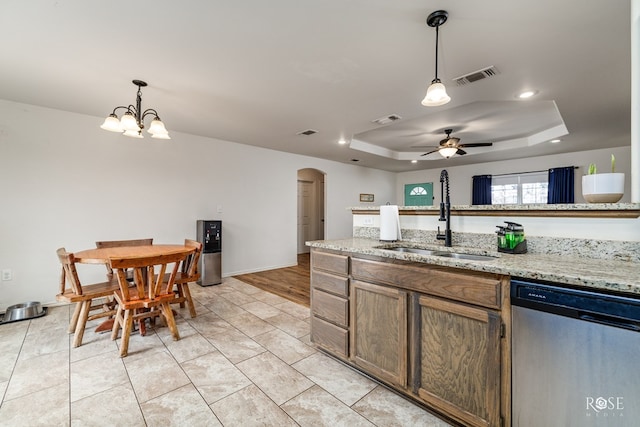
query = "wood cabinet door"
{"x": 458, "y": 363}
{"x": 379, "y": 331}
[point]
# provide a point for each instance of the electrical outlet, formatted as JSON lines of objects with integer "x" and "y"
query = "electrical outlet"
{"x": 219, "y": 208}
{"x": 368, "y": 221}
{"x": 6, "y": 274}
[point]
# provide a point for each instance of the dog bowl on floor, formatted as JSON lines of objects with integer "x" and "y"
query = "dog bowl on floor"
{"x": 24, "y": 311}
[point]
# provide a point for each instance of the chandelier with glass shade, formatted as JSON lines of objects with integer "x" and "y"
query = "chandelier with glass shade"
{"x": 132, "y": 121}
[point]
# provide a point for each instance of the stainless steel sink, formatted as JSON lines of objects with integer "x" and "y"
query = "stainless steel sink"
{"x": 456, "y": 255}
{"x": 414, "y": 250}
{"x": 472, "y": 257}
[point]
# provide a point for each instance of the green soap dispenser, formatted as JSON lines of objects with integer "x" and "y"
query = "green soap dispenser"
{"x": 514, "y": 241}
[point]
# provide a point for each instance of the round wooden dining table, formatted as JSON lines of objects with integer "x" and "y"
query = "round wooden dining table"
{"x": 102, "y": 255}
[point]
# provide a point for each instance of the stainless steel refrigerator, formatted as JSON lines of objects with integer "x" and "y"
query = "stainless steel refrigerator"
{"x": 209, "y": 233}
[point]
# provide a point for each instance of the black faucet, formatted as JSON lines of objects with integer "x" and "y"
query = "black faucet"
{"x": 445, "y": 209}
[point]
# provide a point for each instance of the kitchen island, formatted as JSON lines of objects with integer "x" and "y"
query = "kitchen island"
{"x": 434, "y": 328}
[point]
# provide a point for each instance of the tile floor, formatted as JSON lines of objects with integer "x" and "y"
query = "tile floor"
{"x": 245, "y": 360}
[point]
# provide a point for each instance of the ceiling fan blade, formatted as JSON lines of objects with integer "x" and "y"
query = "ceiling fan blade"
{"x": 430, "y": 152}
{"x": 461, "y": 152}
{"x": 477, "y": 144}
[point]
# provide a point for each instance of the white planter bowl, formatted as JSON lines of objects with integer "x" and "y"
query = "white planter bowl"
{"x": 603, "y": 187}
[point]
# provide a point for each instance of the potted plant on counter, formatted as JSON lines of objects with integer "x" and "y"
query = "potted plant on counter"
{"x": 603, "y": 187}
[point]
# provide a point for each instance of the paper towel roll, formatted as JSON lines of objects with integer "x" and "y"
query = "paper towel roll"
{"x": 389, "y": 223}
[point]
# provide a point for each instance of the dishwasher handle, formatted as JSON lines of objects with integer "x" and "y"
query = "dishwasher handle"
{"x": 609, "y": 321}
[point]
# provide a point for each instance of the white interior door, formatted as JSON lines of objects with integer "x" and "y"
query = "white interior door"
{"x": 306, "y": 210}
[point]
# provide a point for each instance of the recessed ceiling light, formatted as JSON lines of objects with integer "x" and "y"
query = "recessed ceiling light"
{"x": 555, "y": 141}
{"x": 527, "y": 94}
{"x": 342, "y": 141}
{"x": 414, "y": 161}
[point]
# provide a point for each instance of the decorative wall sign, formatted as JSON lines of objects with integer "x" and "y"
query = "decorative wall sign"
{"x": 366, "y": 197}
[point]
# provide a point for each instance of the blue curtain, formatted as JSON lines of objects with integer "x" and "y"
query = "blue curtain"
{"x": 481, "y": 190}
{"x": 561, "y": 185}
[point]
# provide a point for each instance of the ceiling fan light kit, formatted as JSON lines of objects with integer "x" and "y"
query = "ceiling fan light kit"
{"x": 451, "y": 145}
{"x": 436, "y": 93}
{"x": 447, "y": 152}
{"x": 132, "y": 121}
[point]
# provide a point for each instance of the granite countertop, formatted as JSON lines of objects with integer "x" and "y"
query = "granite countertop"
{"x": 611, "y": 275}
{"x": 531, "y": 207}
{"x": 598, "y": 210}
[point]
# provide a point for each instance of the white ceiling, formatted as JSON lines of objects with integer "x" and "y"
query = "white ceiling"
{"x": 258, "y": 72}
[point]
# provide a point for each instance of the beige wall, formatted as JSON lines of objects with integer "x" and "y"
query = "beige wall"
{"x": 460, "y": 176}
{"x": 460, "y": 185}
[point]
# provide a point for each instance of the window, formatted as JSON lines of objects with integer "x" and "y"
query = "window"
{"x": 519, "y": 188}
{"x": 418, "y": 191}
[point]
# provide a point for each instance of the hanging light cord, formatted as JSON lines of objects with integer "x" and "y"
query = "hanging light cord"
{"x": 437, "y": 79}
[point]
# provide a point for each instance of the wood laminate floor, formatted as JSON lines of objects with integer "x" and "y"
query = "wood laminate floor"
{"x": 292, "y": 283}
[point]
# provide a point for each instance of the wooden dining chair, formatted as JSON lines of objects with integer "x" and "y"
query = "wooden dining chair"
{"x": 150, "y": 293}
{"x": 88, "y": 299}
{"x": 118, "y": 243}
{"x": 188, "y": 273}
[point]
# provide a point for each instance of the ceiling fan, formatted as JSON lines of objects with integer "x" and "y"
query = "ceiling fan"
{"x": 451, "y": 145}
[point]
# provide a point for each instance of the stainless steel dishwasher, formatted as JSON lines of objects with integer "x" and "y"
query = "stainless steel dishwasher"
{"x": 575, "y": 357}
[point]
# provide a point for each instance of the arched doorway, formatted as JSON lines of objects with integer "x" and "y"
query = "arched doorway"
{"x": 311, "y": 196}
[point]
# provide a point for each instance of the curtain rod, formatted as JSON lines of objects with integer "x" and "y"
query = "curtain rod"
{"x": 520, "y": 173}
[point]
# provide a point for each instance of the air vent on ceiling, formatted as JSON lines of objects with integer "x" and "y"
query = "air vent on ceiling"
{"x": 477, "y": 75}
{"x": 307, "y": 132}
{"x": 387, "y": 119}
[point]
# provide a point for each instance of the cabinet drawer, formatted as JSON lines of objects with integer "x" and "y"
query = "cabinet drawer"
{"x": 329, "y": 336}
{"x": 472, "y": 287}
{"x": 330, "y": 283}
{"x": 330, "y": 307}
{"x": 330, "y": 262}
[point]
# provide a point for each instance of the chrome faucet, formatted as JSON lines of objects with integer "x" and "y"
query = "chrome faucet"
{"x": 445, "y": 209}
